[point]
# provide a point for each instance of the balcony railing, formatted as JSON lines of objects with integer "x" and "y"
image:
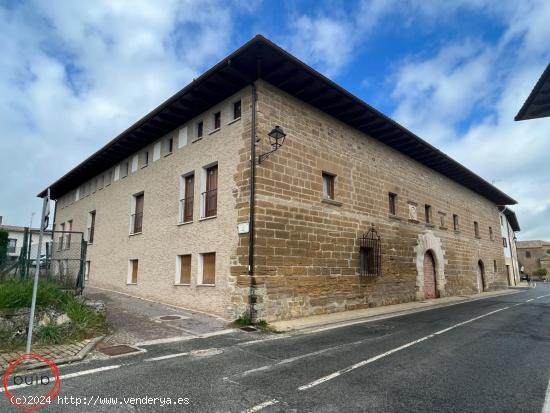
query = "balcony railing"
{"x": 186, "y": 209}
{"x": 210, "y": 202}
{"x": 136, "y": 221}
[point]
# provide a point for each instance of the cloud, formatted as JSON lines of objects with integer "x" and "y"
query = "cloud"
{"x": 464, "y": 99}
{"x": 72, "y": 77}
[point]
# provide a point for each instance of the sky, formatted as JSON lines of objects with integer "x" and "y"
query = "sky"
{"x": 74, "y": 74}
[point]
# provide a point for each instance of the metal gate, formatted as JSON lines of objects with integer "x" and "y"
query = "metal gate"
{"x": 62, "y": 258}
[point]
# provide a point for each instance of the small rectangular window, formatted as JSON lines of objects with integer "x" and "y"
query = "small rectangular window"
{"x": 87, "y": 271}
{"x": 108, "y": 177}
{"x": 476, "y": 229}
{"x": 428, "y": 213}
{"x": 370, "y": 254}
{"x": 442, "y": 220}
{"x": 504, "y": 242}
{"x": 168, "y": 146}
{"x": 455, "y": 222}
{"x": 144, "y": 159}
{"x": 184, "y": 269}
{"x": 199, "y": 130}
{"x": 12, "y": 245}
{"x": 123, "y": 170}
{"x": 91, "y": 227}
{"x": 210, "y": 196}
{"x": 187, "y": 198}
{"x": 137, "y": 216}
{"x": 392, "y": 198}
{"x": 328, "y": 185}
{"x": 133, "y": 271}
{"x": 237, "y": 110}
{"x": 491, "y": 233}
{"x": 209, "y": 268}
{"x": 217, "y": 120}
{"x": 495, "y": 265}
{"x": 527, "y": 254}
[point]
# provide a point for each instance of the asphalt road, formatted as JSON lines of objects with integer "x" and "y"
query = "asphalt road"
{"x": 490, "y": 355}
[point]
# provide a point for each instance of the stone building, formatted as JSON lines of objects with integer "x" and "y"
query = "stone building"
{"x": 534, "y": 255}
{"x": 190, "y": 206}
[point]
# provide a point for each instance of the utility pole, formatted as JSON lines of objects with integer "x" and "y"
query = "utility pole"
{"x": 43, "y": 225}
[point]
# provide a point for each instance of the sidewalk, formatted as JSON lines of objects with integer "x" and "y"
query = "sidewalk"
{"x": 354, "y": 316}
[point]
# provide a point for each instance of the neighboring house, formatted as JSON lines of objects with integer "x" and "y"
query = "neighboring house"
{"x": 534, "y": 255}
{"x": 166, "y": 204}
{"x": 16, "y": 236}
{"x": 508, "y": 227}
{"x": 537, "y": 104}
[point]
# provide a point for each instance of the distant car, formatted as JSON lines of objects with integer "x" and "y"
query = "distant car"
{"x": 524, "y": 277}
{"x": 43, "y": 261}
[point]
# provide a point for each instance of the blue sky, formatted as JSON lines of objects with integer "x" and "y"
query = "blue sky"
{"x": 74, "y": 74}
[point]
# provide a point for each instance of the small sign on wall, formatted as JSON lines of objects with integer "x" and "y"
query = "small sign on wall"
{"x": 243, "y": 228}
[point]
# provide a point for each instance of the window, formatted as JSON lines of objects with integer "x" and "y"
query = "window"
{"x": 442, "y": 220}
{"x": 428, "y": 213}
{"x": 495, "y": 265}
{"x": 100, "y": 184}
{"x": 210, "y": 195}
{"x": 133, "y": 271}
{"x": 370, "y": 254}
{"x": 501, "y": 221}
{"x": 217, "y": 120}
{"x": 91, "y": 227}
{"x": 455, "y": 222}
{"x": 491, "y": 234}
{"x": 108, "y": 178}
{"x": 168, "y": 146}
{"x": 208, "y": 268}
{"x": 124, "y": 170}
{"x": 183, "y": 269}
{"x": 137, "y": 216}
{"x": 527, "y": 254}
{"x": 12, "y": 244}
{"x": 476, "y": 229}
{"x": 144, "y": 159}
{"x": 186, "y": 198}
{"x": 328, "y": 185}
{"x": 68, "y": 237}
{"x": 237, "y": 110}
{"x": 199, "y": 130}
{"x": 504, "y": 242}
{"x": 61, "y": 237}
{"x": 392, "y": 203}
{"x": 87, "y": 271}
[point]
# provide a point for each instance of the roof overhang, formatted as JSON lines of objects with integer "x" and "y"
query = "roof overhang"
{"x": 260, "y": 58}
{"x": 537, "y": 104}
{"x": 511, "y": 218}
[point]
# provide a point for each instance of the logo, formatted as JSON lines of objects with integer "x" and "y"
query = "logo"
{"x": 14, "y": 380}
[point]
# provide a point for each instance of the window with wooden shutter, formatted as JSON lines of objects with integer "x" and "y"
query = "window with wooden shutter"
{"x": 209, "y": 268}
{"x": 184, "y": 269}
{"x": 210, "y": 196}
{"x": 137, "y": 217}
{"x": 186, "y": 203}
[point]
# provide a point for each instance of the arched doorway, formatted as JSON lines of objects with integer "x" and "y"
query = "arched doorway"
{"x": 480, "y": 276}
{"x": 430, "y": 290}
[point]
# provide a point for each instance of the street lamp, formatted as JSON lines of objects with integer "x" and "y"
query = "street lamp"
{"x": 276, "y": 140}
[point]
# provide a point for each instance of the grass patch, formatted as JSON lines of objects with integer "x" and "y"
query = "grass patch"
{"x": 85, "y": 322}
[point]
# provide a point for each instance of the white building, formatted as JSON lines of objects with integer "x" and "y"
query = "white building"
{"x": 16, "y": 240}
{"x": 508, "y": 227}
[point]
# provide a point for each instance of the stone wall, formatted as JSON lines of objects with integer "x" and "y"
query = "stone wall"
{"x": 307, "y": 251}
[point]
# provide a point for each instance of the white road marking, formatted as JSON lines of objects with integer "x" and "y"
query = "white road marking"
{"x": 529, "y": 300}
{"x": 186, "y": 338}
{"x": 546, "y": 407}
{"x": 395, "y": 350}
{"x": 169, "y": 356}
{"x": 542, "y": 296}
{"x": 70, "y": 375}
{"x": 261, "y": 406}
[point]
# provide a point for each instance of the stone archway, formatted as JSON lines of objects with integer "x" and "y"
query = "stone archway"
{"x": 429, "y": 243}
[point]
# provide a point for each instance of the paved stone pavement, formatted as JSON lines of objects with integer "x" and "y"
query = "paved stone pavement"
{"x": 134, "y": 320}
{"x": 53, "y": 352}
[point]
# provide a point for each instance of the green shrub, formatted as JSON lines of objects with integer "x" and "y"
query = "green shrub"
{"x": 50, "y": 334}
{"x": 18, "y": 294}
{"x": 541, "y": 272}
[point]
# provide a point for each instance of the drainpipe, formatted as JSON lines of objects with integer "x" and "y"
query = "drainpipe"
{"x": 252, "y": 290}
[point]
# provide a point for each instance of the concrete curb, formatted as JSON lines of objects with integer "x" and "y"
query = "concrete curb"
{"x": 329, "y": 324}
{"x": 64, "y": 360}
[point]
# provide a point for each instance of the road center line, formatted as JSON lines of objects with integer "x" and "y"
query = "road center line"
{"x": 542, "y": 296}
{"x": 261, "y": 406}
{"x": 69, "y": 376}
{"x": 169, "y": 356}
{"x": 395, "y": 350}
{"x": 529, "y": 300}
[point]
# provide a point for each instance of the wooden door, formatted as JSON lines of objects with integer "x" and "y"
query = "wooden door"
{"x": 429, "y": 276}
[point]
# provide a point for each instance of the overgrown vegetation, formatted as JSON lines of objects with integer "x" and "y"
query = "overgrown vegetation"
{"x": 541, "y": 272}
{"x": 84, "y": 322}
{"x": 245, "y": 320}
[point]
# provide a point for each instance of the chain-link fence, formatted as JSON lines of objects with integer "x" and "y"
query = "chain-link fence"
{"x": 62, "y": 258}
